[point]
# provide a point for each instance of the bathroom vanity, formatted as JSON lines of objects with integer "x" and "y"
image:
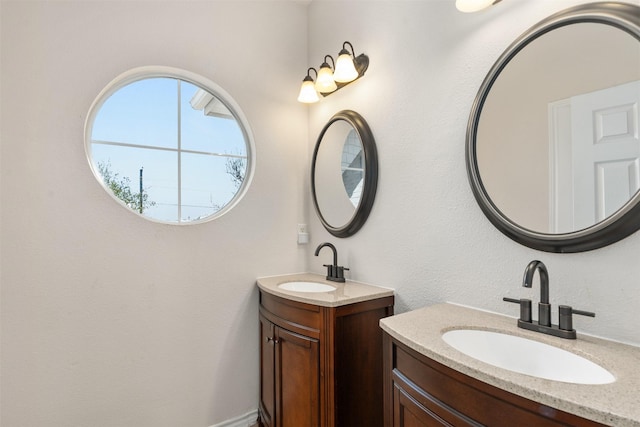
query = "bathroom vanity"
{"x": 321, "y": 352}
{"x": 427, "y": 382}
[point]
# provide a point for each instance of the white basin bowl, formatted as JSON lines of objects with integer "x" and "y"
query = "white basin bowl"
{"x": 526, "y": 356}
{"x": 306, "y": 287}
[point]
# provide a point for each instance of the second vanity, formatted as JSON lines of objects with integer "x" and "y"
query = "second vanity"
{"x": 321, "y": 351}
{"x": 428, "y": 382}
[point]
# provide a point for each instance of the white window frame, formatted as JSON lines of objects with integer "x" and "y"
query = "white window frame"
{"x": 148, "y": 72}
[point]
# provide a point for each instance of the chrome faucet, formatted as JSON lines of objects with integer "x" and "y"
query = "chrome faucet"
{"x": 565, "y": 327}
{"x": 335, "y": 272}
{"x": 544, "y": 308}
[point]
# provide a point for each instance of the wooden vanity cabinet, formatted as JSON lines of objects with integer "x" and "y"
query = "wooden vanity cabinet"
{"x": 321, "y": 366}
{"x": 422, "y": 392}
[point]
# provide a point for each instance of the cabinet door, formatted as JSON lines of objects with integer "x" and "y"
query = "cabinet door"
{"x": 298, "y": 385}
{"x": 267, "y": 373}
{"x": 409, "y": 413}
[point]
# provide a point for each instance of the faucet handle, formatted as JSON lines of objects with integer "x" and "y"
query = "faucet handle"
{"x": 566, "y": 318}
{"x": 335, "y": 273}
{"x": 525, "y": 307}
{"x": 330, "y": 271}
{"x": 339, "y": 270}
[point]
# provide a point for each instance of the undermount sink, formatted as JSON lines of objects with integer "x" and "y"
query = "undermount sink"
{"x": 306, "y": 287}
{"x": 527, "y": 356}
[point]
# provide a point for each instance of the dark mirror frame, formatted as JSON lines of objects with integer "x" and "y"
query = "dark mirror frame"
{"x": 370, "y": 174}
{"x": 622, "y": 223}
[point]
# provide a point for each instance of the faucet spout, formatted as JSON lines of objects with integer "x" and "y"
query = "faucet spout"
{"x": 333, "y": 248}
{"x": 544, "y": 308}
{"x": 527, "y": 281}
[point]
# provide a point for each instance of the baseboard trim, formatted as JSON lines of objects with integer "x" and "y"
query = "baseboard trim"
{"x": 246, "y": 420}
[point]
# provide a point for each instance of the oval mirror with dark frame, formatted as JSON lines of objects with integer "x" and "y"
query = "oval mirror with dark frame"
{"x": 344, "y": 173}
{"x": 553, "y": 148}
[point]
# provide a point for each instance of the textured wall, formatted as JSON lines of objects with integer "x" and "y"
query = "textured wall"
{"x": 426, "y": 236}
{"x": 109, "y": 319}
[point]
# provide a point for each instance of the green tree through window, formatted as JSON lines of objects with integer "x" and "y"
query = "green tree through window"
{"x": 121, "y": 188}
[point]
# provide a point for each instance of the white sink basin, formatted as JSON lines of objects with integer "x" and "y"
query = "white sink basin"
{"x": 306, "y": 287}
{"x": 526, "y": 356}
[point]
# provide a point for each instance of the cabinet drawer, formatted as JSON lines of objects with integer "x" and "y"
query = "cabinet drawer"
{"x": 409, "y": 412}
{"x": 413, "y": 403}
{"x": 295, "y": 316}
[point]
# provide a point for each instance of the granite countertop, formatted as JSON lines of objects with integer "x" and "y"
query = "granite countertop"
{"x": 348, "y": 292}
{"x": 616, "y": 404}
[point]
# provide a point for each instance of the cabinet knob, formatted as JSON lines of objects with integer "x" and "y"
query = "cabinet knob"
{"x": 271, "y": 339}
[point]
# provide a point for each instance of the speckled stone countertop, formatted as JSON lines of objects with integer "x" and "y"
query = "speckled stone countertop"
{"x": 348, "y": 292}
{"x": 616, "y": 404}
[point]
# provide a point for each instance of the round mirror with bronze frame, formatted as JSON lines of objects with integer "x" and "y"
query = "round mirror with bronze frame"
{"x": 536, "y": 92}
{"x": 344, "y": 173}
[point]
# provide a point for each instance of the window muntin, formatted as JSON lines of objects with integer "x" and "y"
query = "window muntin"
{"x": 352, "y": 167}
{"x": 177, "y": 143}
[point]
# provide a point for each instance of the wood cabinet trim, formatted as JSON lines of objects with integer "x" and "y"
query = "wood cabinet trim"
{"x": 359, "y": 307}
{"x": 291, "y": 326}
{"x": 300, "y": 315}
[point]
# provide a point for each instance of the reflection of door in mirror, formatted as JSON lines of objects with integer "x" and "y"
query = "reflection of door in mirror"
{"x": 353, "y": 167}
{"x": 512, "y": 142}
{"x": 594, "y": 155}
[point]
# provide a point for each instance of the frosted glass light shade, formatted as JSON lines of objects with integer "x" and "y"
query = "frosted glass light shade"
{"x": 308, "y": 94}
{"x": 345, "y": 70}
{"x": 469, "y": 6}
{"x": 325, "y": 82}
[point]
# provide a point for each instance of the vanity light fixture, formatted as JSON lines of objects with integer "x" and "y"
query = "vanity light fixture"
{"x": 469, "y": 6}
{"x": 347, "y": 68}
{"x": 325, "y": 82}
{"x": 308, "y": 93}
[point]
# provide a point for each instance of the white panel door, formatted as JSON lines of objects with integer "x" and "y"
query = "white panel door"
{"x": 605, "y": 151}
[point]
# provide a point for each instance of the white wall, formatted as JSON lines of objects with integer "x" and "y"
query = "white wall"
{"x": 426, "y": 236}
{"x": 109, "y": 319}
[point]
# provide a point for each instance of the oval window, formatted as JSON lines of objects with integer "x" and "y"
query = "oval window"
{"x": 169, "y": 145}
